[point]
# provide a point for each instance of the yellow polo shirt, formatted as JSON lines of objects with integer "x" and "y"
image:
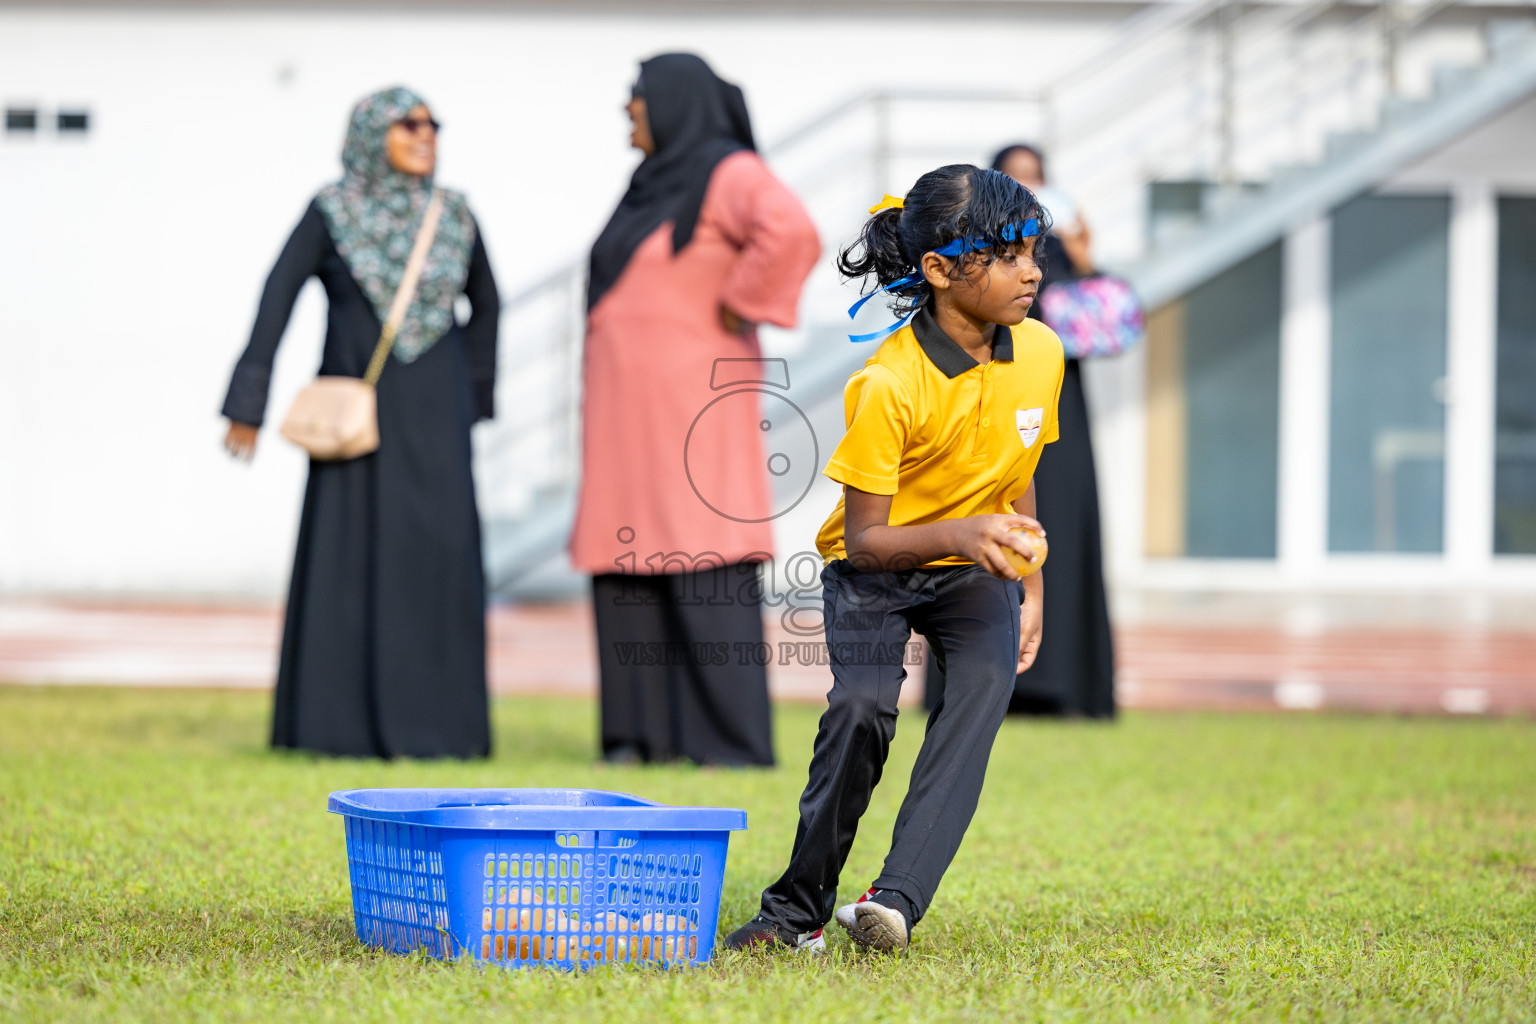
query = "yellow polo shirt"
{"x": 946, "y": 436}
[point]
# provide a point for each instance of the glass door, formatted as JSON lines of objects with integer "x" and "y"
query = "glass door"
{"x": 1514, "y": 487}
{"x": 1386, "y": 474}
{"x": 1213, "y": 416}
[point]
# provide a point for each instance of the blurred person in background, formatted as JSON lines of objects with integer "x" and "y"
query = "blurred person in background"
{"x": 705, "y": 244}
{"x": 383, "y": 651}
{"x": 1074, "y": 672}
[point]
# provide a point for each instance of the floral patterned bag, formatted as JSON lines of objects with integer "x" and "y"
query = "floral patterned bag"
{"x": 1097, "y": 315}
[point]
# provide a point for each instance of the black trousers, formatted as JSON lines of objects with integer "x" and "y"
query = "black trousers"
{"x": 678, "y": 666}
{"x": 971, "y": 619}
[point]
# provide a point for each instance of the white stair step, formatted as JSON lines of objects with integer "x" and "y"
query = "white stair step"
{"x": 1397, "y": 110}
{"x": 1506, "y": 36}
{"x": 1453, "y": 78}
{"x": 1343, "y": 144}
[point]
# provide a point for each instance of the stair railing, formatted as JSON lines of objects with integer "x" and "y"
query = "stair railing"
{"x": 1157, "y": 91}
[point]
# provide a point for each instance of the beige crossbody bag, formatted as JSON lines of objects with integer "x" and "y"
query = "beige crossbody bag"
{"x": 337, "y": 418}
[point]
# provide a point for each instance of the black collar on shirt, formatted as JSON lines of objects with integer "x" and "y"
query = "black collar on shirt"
{"x": 943, "y": 352}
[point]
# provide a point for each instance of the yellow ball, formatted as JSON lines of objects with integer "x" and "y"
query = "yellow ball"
{"x": 1032, "y": 540}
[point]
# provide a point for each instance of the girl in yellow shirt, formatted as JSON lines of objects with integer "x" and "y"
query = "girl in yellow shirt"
{"x": 945, "y": 425}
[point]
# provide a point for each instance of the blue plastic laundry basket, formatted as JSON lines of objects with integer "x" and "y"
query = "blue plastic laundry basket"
{"x": 521, "y": 877}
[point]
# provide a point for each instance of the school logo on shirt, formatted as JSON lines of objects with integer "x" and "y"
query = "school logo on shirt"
{"x": 1030, "y": 421}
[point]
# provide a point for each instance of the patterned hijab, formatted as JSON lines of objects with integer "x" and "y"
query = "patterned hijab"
{"x": 373, "y": 213}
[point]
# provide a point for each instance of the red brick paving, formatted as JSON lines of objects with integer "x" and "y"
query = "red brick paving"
{"x": 1414, "y": 669}
{"x": 549, "y": 649}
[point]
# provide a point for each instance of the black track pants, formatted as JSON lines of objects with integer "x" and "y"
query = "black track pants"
{"x": 971, "y": 619}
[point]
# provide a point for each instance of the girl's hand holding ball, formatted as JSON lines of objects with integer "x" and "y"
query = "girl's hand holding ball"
{"x": 1034, "y": 542}
{"x": 989, "y": 541}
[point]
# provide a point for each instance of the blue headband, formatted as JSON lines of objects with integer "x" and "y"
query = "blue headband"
{"x": 1011, "y": 233}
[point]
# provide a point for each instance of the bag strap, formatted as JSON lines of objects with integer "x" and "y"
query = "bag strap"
{"x": 407, "y": 290}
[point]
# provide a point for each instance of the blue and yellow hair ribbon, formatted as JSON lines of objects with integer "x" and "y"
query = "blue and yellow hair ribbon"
{"x": 1010, "y": 233}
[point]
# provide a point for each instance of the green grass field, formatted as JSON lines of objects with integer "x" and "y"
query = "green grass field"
{"x": 157, "y": 863}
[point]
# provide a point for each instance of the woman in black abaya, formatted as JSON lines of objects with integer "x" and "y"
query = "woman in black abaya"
{"x": 383, "y": 650}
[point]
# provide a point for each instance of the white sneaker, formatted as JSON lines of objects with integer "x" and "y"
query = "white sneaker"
{"x": 874, "y": 926}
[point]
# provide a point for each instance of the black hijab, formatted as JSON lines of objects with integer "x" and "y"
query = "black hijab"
{"x": 697, "y": 120}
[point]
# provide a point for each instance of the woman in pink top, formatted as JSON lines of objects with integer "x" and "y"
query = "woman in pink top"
{"x": 675, "y": 506}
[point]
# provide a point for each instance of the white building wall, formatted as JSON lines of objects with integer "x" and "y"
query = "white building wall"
{"x": 131, "y": 260}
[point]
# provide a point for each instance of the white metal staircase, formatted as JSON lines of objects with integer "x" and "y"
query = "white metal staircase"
{"x": 1275, "y": 112}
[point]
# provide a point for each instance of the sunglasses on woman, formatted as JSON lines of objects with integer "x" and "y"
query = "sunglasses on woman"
{"x": 416, "y": 124}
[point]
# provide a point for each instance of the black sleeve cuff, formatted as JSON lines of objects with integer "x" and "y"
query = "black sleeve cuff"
{"x": 246, "y": 401}
{"x": 485, "y": 399}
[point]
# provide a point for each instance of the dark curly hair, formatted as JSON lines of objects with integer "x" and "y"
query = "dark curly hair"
{"x": 958, "y": 201}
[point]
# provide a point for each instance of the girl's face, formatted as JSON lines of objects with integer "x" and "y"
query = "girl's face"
{"x": 999, "y": 292}
{"x": 411, "y": 143}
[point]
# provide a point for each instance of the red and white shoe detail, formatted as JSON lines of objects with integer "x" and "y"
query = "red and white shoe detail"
{"x": 873, "y": 925}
